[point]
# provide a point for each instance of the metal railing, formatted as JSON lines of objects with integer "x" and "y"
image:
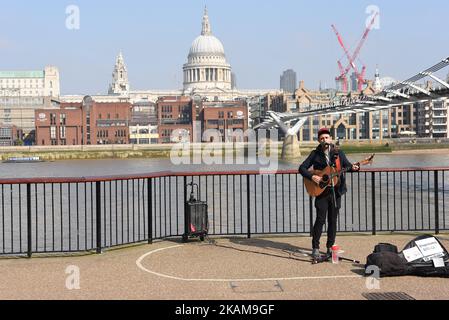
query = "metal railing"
{"x": 47, "y": 215}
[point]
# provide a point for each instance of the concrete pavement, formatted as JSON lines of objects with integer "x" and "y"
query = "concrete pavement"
{"x": 231, "y": 268}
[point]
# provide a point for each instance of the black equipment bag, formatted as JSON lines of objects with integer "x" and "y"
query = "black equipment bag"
{"x": 392, "y": 263}
{"x": 424, "y": 268}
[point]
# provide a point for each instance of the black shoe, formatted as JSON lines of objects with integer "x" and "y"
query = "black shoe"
{"x": 329, "y": 252}
{"x": 316, "y": 253}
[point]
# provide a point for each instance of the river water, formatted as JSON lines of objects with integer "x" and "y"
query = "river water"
{"x": 105, "y": 167}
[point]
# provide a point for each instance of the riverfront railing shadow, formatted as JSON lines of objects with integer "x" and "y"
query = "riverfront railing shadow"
{"x": 89, "y": 214}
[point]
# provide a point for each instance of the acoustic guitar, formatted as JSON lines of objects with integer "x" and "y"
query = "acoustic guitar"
{"x": 329, "y": 176}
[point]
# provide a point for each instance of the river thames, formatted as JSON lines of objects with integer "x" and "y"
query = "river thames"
{"x": 106, "y": 167}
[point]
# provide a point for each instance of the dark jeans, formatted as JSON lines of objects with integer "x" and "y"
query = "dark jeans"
{"x": 324, "y": 205}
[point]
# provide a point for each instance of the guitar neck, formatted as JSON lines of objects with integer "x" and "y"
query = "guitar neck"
{"x": 339, "y": 172}
{"x": 364, "y": 162}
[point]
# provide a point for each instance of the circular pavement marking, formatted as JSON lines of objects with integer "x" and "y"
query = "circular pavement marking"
{"x": 141, "y": 258}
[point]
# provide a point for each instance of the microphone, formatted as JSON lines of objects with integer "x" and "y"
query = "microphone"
{"x": 324, "y": 144}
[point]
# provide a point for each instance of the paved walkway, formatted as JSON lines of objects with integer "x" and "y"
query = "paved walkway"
{"x": 230, "y": 268}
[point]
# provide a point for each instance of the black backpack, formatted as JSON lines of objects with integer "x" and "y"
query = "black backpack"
{"x": 382, "y": 247}
{"x": 387, "y": 259}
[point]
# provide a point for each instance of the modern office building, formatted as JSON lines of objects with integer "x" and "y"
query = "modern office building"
{"x": 288, "y": 81}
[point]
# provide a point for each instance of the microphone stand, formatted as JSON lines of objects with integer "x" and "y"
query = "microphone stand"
{"x": 334, "y": 197}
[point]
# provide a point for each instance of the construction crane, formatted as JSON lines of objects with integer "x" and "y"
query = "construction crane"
{"x": 343, "y": 78}
{"x": 343, "y": 74}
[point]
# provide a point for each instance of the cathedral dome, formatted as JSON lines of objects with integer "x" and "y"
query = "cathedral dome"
{"x": 206, "y": 66}
{"x": 206, "y": 45}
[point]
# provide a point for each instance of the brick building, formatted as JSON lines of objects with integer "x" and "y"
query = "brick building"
{"x": 226, "y": 117}
{"x": 175, "y": 113}
{"x": 84, "y": 123}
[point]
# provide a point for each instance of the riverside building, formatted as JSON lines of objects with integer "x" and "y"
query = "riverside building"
{"x": 22, "y": 92}
{"x": 87, "y": 123}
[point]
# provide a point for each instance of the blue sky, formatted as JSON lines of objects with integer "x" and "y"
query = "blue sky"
{"x": 261, "y": 39}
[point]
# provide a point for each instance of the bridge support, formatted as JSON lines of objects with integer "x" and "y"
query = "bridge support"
{"x": 290, "y": 147}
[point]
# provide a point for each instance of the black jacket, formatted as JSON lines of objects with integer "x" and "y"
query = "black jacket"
{"x": 317, "y": 159}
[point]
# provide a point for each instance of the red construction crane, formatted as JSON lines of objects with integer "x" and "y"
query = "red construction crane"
{"x": 343, "y": 75}
{"x": 344, "y": 72}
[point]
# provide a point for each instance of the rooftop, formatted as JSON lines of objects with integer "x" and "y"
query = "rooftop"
{"x": 21, "y": 74}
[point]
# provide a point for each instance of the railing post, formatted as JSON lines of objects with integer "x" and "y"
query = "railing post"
{"x": 98, "y": 214}
{"x": 311, "y": 215}
{"x": 186, "y": 218}
{"x": 248, "y": 199}
{"x": 150, "y": 210}
{"x": 373, "y": 200}
{"x": 437, "y": 209}
{"x": 30, "y": 250}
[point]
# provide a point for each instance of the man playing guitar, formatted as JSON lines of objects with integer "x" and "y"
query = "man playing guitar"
{"x": 329, "y": 201}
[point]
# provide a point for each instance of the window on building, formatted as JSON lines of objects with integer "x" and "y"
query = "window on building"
{"x": 52, "y": 132}
{"x": 62, "y": 132}
{"x": 52, "y": 118}
{"x": 62, "y": 119}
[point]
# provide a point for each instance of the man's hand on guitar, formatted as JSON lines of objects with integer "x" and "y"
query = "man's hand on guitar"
{"x": 316, "y": 179}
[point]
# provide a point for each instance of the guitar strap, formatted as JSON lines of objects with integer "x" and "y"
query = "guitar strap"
{"x": 338, "y": 163}
{"x": 338, "y": 166}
